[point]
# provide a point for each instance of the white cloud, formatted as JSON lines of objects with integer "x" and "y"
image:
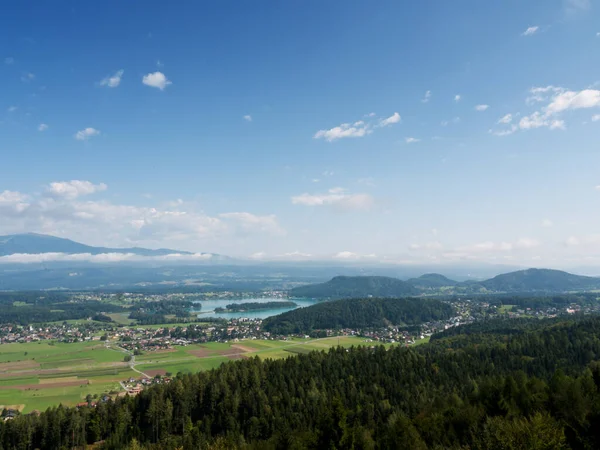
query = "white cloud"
{"x": 531, "y": 31}
{"x": 248, "y": 118}
{"x": 86, "y": 133}
{"x": 252, "y": 222}
{"x": 345, "y": 130}
{"x": 481, "y": 107}
{"x": 596, "y": 118}
{"x": 506, "y": 119}
{"x": 541, "y": 94}
{"x": 569, "y": 100}
{"x": 356, "y": 129}
{"x": 113, "y": 81}
{"x": 412, "y": 140}
{"x": 538, "y": 120}
{"x": 335, "y": 197}
{"x": 63, "y": 210}
{"x": 74, "y": 188}
{"x": 12, "y": 109}
{"x": 394, "y": 118}
{"x": 547, "y": 223}
{"x": 157, "y": 80}
{"x": 371, "y": 114}
{"x": 27, "y": 77}
{"x": 427, "y": 97}
{"x": 106, "y": 258}
{"x": 457, "y": 98}
{"x": 9, "y": 60}
{"x": 42, "y": 127}
{"x": 560, "y": 100}
{"x": 445, "y": 123}
{"x": 346, "y": 255}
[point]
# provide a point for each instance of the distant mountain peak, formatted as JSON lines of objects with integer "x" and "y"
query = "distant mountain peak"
{"x": 35, "y": 243}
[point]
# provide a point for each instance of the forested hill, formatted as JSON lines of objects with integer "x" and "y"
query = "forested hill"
{"x": 356, "y": 287}
{"x": 537, "y": 389}
{"x": 431, "y": 281}
{"x": 358, "y": 313}
{"x": 540, "y": 280}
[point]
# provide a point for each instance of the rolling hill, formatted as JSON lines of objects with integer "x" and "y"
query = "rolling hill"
{"x": 545, "y": 280}
{"x": 356, "y": 287}
{"x": 31, "y": 243}
{"x": 431, "y": 281}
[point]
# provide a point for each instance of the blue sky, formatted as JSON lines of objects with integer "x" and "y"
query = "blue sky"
{"x": 397, "y": 131}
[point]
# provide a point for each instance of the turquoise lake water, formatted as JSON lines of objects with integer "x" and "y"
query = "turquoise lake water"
{"x": 208, "y": 307}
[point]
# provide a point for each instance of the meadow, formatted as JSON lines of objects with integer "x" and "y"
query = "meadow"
{"x": 37, "y": 375}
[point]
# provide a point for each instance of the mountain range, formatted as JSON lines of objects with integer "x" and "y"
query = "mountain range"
{"x": 32, "y": 243}
{"x": 522, "y": 281}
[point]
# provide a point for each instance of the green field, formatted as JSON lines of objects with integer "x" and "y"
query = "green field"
{"x": 40, "y": 374}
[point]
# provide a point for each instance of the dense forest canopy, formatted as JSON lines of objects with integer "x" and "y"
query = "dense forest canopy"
{"x": 358, "y": 313}
{"x": 539, "y": 388}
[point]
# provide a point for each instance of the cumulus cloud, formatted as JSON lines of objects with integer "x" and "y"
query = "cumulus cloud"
{"x": 157, "y": 80}
{"x": 457, "y": 98}
{"x": 9, "y": 60}
{"x": 74, "y": 188}
{"x": 63, "y": 209}
{"x": 412, "y": 140}
{"x": 596, "y": 118}
{"x": 356, "y": 129}
{"x": 559, "y": 101}
{"x": 506, "y": 119}
{"x": 113, "y": 81}
{"x": 394, "y": 118}
{"x": 481, "y": 107}
{"x": 86, "y": 133}
{"x": 426, "y": 97}
{"x": 336, "y": 197}
{"x": 248, "y": 118}
{"x": 345, "y": 130}
{"x": 42, "y": 127}
{"x": 531, "y": 31}
{"x": 568, "y": 100}
{"x": 12, "y": 109}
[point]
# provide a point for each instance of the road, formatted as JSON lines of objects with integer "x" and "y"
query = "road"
{"x": 131, "y": 361}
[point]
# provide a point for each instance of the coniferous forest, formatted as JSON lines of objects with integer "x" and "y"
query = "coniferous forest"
{"x": 503, "y": 384}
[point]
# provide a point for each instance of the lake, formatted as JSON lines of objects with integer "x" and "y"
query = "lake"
{"x": 208, "y": 307}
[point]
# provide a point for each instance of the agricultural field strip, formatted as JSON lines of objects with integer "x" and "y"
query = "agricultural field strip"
{"x": 273, "y": 349}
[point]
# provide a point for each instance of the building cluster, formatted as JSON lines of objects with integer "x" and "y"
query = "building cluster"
{"x": 134, "y": 386}
{"x": 62, "y": 333}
